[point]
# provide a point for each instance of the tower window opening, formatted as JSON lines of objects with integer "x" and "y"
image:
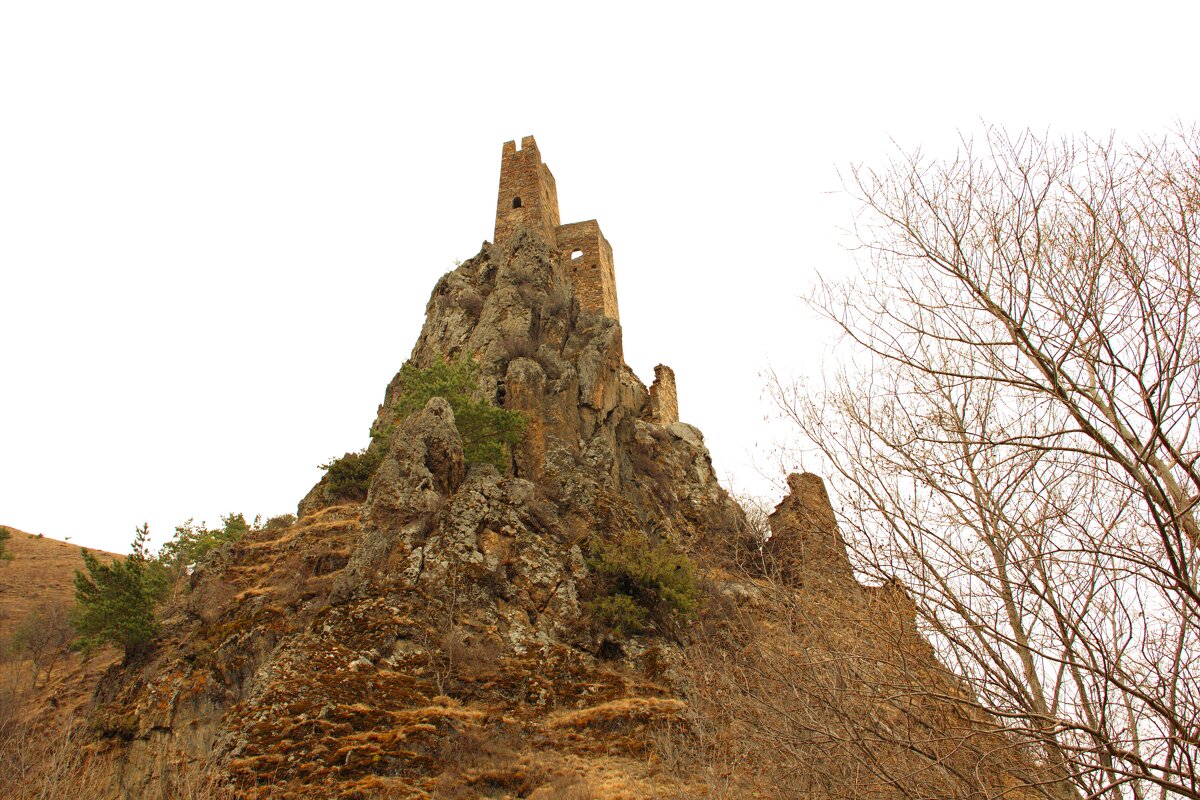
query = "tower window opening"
{"x": 576, "y": 254}
{"x": 516, "y": 202}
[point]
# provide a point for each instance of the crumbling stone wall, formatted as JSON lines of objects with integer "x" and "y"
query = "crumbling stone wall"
{"x": 589, "y": 259}
{"x": 806, "y": 546}
{"x": 664, "y": 401}
{"x": 528, "y": 196}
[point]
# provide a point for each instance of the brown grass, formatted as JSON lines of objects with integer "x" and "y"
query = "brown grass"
{"x": 60, "y": 763}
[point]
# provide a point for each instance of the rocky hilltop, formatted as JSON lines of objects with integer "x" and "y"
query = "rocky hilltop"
{"x": 446, "y": 635}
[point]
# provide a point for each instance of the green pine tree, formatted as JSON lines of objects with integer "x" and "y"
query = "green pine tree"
{"x": 192, "y": 542}
{"x": 114, "y": 602}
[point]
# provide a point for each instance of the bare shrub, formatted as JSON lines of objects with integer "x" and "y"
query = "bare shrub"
{"x": 189, "y": 778}
{"x": 43, "y": 638}
{"x": 55, "y": 760}
{"x": 736, "y": 539}
{"x": 40, "y": 762}
{"x": 531, "y": 294}
{"x": 647, "y": 465}
{"x": 557, "y": 301}
{"x": 280, "y": 522}
{"x": 564, "y": 787}
{"x": 483, "y": 762}
{"x": 519, "y": 347}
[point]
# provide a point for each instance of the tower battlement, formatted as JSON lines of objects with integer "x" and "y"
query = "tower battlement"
{"x": 528, "y": 198}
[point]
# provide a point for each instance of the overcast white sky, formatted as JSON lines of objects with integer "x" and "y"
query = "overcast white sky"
{"x": 220, "y": 221}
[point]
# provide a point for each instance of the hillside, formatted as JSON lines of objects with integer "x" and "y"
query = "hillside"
{"x": 42, "y": 570}
{"x": 41, "y": 575}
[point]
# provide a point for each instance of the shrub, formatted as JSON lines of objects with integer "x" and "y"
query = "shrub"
{"x": 42, "y": 637}
{"x": 5, "y": 535}
{"x": 558, "y": 300}
{"x": 519, "y": 347}
{"x": 619, "y": 613}
{"x": 638, "y": 583}
{"x": 192, "y": 542}
{"x": 487, "y": 431}
{"x": 114, "y": 602}
{"x": 280, "y": 521}
{"x": 349, "y": 475}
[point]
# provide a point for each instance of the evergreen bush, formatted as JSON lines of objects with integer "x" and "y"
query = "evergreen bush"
{"x": 638, "y": 584}
{"x": 488, "y": 432}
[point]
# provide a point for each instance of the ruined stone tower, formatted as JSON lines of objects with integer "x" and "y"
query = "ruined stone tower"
{"x": 664, "y": 398}
{"x": 528, "y": 199}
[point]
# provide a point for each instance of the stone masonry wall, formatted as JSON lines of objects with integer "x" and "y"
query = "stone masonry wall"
{"x": 528, "y": 196}
{"x": 589, "y": 260}
{"x": 664, "y": 401}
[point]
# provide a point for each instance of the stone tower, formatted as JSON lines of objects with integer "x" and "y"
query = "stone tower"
{"x": 528, "y": 199}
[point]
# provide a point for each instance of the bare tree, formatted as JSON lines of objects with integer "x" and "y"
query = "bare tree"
{"x": 43, "y": 637}
{"x": 1017, "y": 439}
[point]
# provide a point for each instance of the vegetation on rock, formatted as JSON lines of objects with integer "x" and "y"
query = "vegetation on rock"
{"x": 42, "y": 637}
{"x": 347, "y": 477}
{"x": 280, "y": 521}
{"x": 488, "y": 432}
{"x": 639, "y": 584}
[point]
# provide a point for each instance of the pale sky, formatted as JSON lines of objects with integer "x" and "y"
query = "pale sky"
{"x": 220, "y": 222}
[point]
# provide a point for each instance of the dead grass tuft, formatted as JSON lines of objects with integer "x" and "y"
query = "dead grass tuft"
{"x": 619, "y": 714}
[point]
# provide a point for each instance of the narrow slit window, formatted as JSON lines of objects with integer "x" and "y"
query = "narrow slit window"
{"x": 516, "y": 202}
